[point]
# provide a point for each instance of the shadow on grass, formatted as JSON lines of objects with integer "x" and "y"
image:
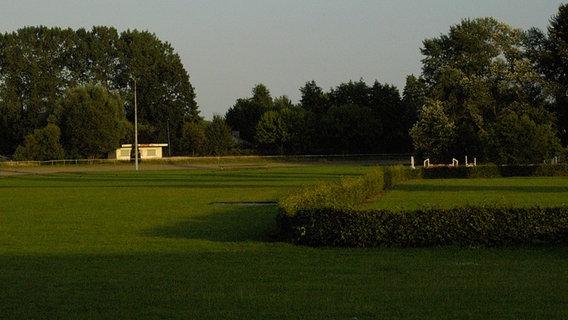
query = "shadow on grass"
{"x": 225, "y": 224}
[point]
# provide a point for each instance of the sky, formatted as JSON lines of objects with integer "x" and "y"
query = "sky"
{"x": 229, "y": 46}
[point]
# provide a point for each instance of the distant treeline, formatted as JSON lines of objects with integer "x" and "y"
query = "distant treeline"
{"x": 40, "y": 66}
{"x": 486, "y": 90}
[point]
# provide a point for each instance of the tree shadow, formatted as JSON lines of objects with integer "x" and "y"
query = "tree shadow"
{"x": 225, "y": 224}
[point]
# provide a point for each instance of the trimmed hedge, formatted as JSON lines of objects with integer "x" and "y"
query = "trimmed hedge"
{"x": 327, "y": 215}
{"x": 494, "y": 171}
{"x": 347, "y": 194}
{"x": 473, "y": 226}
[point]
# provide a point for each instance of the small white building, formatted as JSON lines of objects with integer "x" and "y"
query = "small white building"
{"x": 147, "y": 151}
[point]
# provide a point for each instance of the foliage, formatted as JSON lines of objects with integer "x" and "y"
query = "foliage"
{"x": 313, "y": 98}
{"x": 549, "y": 53}
{"x": 39, "y": 64}
{"x": 471, "y": 226}
{"x": 352, "y": 118}
{"x": 350, "y": 129}
{"x": 193, "y": 139}
{"x": 328, "y": 215}
{"x": 271, "y": 131}
{"x": 493, "y": 171}
{"x": 481, "y": 72}
{"x": 165, "y": 96}
{"x": 519, "y": 140}
{"x": 43, "y": 144}
{"x": 348, "y": 193}
{"x": 246, "y": 113}
{"x": 434, "y": 133}
{"x": 92, "y": 121}
{"x": 219, "y": 138}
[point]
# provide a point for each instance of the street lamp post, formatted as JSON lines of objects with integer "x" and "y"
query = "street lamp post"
{"x": 135, "y": 128}
{"x": 169, "y": 143}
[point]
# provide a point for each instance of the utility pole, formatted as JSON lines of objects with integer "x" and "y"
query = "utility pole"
{"x": 169, "y": 142}
{"x": 135, "y": 127}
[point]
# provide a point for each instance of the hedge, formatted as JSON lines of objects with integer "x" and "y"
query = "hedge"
{"x": 472, "y": 226}
{"x": 327, "y": 215}
{"x": 348, "y": 193}
{"x": 494, "y": 171}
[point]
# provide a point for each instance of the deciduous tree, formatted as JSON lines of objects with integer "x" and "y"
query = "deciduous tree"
{"x": 39, "y": 64}
{"x": 271, "y": 132}
{"x": 480, "y": 71}
{"x": 219, "y": 138}
{"x": 434, "y": 133}
{"x": 92, "y": 121}
{"x": 41, "y": 145}
{"x": 244, "y": 115}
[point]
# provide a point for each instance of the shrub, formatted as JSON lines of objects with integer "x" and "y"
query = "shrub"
{"x": 43, "y": 144}
{"x": 494, "y": 171}
{"x": 327, "y": 215}
{"x": 473, "y": 226}
{"x": 348, "y": 193}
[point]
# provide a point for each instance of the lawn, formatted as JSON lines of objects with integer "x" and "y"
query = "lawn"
{"x": 448, "y": 193}
{"x": 150, "y": 245}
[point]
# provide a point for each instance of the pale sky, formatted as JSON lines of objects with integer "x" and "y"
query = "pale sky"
{"x": 229, "y": 46}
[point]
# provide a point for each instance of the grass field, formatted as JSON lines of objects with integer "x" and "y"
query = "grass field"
{"x": 150, "y": 245}
{"x": 448, "y": 193}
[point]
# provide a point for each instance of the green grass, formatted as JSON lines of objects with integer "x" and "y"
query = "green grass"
{"x": 448, "y": 193}
{"x": 150, "y": 245}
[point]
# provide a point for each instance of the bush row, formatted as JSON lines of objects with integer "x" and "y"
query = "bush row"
{"x": 494, "y": 171}
{"x": 347, "y": 193}
{"x": 327, "y": 215}
{"x": 473, "y": 226}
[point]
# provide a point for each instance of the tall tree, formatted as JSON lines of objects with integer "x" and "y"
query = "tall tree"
{"x": 520, "y": 140}
{"x": 245, "y": 114}
{"x": 261, "y": 96}
{"x": 313, "y": 98}
{"x": 92, "y": 121}
{"x": 393, "y": 125}
{"x": 41, "y": 145}
{"x": 282, "y": 102}
{"x": 434, "y": 133}
{"x": 194, "y": 141}
{"x": 353, "y": 93}
{"x": 551, "y": 55}
{"x": 480, "y": 72}
{"x": 350, "y": 129}
{"x": 219, "y": 138}
{"x": 414, "y": 95}
{"x": 30, "y": 69}
{"x": 300, "y": 133}
{"x": 271, "y": 132}
{"x": 165, "y": 95}
{"x": 38, "y": 65}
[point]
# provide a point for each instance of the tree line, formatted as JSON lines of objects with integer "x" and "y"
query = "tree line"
{"x": 48, "y": 76}
{"x": 486, "y": 90}
{"x": 353, "y": 118}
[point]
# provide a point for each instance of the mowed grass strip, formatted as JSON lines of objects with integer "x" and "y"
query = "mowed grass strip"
{"x": 449, "y": 193}
{"x": 149, "y": 245}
